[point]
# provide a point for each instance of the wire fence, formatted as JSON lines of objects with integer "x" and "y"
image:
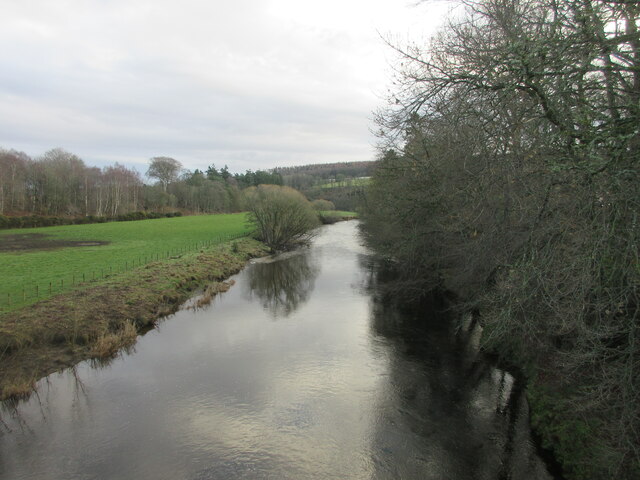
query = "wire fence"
{"x": 34, "y": 291}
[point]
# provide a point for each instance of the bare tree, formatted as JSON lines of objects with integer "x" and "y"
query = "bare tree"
{"x": 165, "y": 170}
{"x": 510, "y": 174}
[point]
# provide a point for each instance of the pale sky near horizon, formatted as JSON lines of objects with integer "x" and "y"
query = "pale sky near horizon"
{"x": 251, "y": 83}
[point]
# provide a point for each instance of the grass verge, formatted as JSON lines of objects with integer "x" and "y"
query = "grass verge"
{"x": 102, "y": 318}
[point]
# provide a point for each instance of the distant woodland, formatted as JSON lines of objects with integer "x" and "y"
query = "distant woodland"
{"x": 308, "y": 176}
{"x": 60, "y": 184}
{"x": 339, "y": 183}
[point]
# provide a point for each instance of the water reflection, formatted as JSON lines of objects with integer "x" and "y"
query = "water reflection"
{"x": 284, "y": 283}
{"x": 347, "y": 387}
{"x": 449, "y": 413}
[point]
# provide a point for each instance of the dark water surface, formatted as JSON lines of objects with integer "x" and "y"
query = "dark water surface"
{"x": 295, "y": 373}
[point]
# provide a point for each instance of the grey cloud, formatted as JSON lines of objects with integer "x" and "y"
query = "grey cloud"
{"x": 253, "y": 82}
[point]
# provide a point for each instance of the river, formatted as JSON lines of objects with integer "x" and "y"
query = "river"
{"x": 297, "y": 372}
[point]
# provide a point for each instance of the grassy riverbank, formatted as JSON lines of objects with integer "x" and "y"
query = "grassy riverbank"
{"x": 98, "y": 319}
{"x": 40, "y": 262}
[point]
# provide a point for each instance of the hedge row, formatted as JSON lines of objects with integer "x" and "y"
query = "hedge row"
{"x": 42, "y": 221}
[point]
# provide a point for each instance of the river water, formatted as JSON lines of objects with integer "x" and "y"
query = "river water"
{"x": 297, "y": 372}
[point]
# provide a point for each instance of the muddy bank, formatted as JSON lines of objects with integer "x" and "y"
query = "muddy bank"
{"x": 99, "y": 319}
{"x": 37, "y": 241}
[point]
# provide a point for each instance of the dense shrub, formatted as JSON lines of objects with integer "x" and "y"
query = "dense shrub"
{"x": 282, "y": 216}
{"x": 322, "y": 205}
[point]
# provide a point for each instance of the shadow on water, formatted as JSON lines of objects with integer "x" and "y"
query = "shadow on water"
{"x": 284, "y": 283}
{"x": 468, "y": 419}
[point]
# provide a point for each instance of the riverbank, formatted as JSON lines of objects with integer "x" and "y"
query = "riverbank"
{"x": 576, "y": 433}
{"x": 43, "y": 262}
{"x": 330, "y": 217}
{"x": 97, "y": 320}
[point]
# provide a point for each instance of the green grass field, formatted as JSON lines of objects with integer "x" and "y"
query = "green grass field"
{"x": 352, "y": 182}
{"x": 27, "y": 276}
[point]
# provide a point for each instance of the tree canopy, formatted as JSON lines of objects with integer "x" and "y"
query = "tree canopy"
{"x": 509, "y": 174}
{"x": 164, "y": 169}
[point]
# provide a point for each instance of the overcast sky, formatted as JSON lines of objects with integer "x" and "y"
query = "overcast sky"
{"x": 249, "y": 83}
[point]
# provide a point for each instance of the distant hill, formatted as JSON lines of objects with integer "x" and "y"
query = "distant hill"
{"x": 346, "y": 177}
{"x": 329, "y": 170}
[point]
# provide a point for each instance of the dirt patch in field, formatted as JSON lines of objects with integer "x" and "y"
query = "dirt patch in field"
{"x": 23, "y": 242}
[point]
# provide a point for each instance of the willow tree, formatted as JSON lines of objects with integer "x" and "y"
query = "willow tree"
{"x": 282, "y": 216}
